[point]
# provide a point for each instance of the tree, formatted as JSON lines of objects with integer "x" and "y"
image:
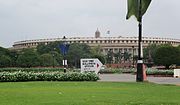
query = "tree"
{"x": 100, "y": 57}
{"x": 44, "y": 49}
{"x": 118, "y": 56}
{"x": 4, "y": 51}
{"x": 167, "y": 55}
{"x": 47, "y": 60}
{"x": 149, "y": 53}
{"x": 5, "y": 61}
{"x": 76, "y": 52}
{"x": 58, "y": 57}
{"x": 96, "y": 50}
{"x": 28, "y": 58}
{"x": 127, "y": 56}
{"x": 96, "y": 53}
{"x": 109, "y": 57}
{"x": 13, "y": 55}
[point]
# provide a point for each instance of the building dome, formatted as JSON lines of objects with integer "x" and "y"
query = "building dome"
{"x": 97, "y": 34}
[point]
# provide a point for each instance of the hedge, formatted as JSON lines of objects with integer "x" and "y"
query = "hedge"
{"x": 159, "y": 72}
{"x": 149, "y": 71}
{"x": 31, "y": 69}
{"x": 46, "y": 76}
{"x": 118, "y": 70}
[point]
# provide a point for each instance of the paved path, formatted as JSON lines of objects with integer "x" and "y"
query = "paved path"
{"x": 132, "y": 78}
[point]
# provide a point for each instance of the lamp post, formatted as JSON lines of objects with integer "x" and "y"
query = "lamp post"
{"x": 140, "y": 76}
{"x": 64, "y": 53}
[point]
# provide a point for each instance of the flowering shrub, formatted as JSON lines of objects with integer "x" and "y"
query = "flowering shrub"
{"x": 46, "y": 76}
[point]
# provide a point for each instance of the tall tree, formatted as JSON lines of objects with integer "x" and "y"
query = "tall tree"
{"x": 5, "y": 61}
{"x": 109, "y": 57}
{"x": 118, "y": 56}
{"x": 43, "y": 49}
{"x": 4, "y": 51}
{"x": 76, "y": 52}
{"x": 96, "y": 53}
{"x": 47, "y": 60}
{"x": 149, "y": 53}
{"x": 167, "y": 55}
{"x": 127, "y": 56}
{"x": 28, "y": 58}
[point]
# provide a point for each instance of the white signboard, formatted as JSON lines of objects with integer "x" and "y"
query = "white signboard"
{"x": 90, "y": 65}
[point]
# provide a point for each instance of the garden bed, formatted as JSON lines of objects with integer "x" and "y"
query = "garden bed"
{"x": 20, "y": 76}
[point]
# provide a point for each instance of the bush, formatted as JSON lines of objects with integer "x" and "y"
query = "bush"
{"x": 119, "y": 70}
{"x": 31, "y": 69}
{"x": 159, "y": 72}
{"x": 46, "y": 76}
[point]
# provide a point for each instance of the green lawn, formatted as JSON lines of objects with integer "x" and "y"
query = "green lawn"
{"x": 88, "y": 93}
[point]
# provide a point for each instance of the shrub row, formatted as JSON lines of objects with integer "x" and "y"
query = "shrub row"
{"x": 159, "y": 72}
{"x": 149, "y": 71}
{"x": 30, "y": 69}
{"x": 119, "y": 70}
{"x": 46, "y": 76}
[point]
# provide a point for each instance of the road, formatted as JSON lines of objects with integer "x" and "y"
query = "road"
{"x": 132, "y": 78}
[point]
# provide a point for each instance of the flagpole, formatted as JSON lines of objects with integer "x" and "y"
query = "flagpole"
{"x": 139, "y": 76}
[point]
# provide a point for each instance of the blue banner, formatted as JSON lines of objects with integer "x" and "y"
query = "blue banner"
{"x": 64, "y": 48}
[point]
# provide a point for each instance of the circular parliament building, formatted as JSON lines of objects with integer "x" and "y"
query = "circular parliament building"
{"x": 115, "y": 44}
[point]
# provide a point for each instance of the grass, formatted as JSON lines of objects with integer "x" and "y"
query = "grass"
{"x": 87, "y": 93}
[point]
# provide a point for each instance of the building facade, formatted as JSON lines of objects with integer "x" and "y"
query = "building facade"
{"x": 115, "y": 44}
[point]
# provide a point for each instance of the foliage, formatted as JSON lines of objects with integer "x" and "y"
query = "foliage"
{"x": 76, "y": 52}
{"x": 47, "y": 60}
{"x": 118, "y": 56}
{"x": 96, "y": 53}
{"x": 109, "y": 57}
{"x": 46, "y": 76}
{"x": 100, "y": 57}
{"x": 127, "y": 56}
{"x": 149, "y": 53}
{"x": 28, "y": 58}
{"x": 5, "y": 61}
{"x": 118, "y": 70}
{"x": 96, "y": 50}
{"x": 13, "y": 55}
{"x": 31, "y": 69}
{"x": 43, "y": 49}
{"x": 58, "y": 57}
{"x": 149, "y": 71}
{"x": 159, "y": 72}
{"x": 4, "y": 51}
{"x": 167, "y": 55}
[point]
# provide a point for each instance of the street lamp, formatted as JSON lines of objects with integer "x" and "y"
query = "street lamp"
{"x": 65, "y": 48}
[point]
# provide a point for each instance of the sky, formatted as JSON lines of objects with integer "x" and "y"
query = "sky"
{"x": 39, "y": 19}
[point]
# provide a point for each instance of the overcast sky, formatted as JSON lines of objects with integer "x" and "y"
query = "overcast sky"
{"x": 36, "y": 19}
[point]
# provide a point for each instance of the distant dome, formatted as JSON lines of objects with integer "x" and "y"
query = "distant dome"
{"x": 97, "y": 34}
